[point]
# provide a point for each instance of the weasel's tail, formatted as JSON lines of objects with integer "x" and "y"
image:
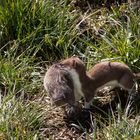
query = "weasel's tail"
{"x": 137, "y": 75}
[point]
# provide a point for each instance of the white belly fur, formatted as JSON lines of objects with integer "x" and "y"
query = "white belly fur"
{"x": 77, "y": 85}
{"x": 111, "y": 84}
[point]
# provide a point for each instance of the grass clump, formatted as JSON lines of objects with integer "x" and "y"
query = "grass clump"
{"x": 20, "y": 80}
{"x": 19, "y": 74}
{"x": 112, "y": 35}
{"x": 37, "y": 23}
{"x": 19, "y": 120}
{"x": 122, "y": 127}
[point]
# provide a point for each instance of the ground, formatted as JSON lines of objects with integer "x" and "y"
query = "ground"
{"x": 61, "y": 127}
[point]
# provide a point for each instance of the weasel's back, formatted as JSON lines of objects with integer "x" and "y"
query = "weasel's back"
{"x": 109, "y": 71}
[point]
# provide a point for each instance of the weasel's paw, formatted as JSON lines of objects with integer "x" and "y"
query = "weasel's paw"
{"x": 73, "y": 112}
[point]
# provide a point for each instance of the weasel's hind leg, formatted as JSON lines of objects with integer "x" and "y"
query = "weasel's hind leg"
{"x": 127, "y": 83}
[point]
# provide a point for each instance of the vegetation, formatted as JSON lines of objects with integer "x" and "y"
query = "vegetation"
{"x": 36, "y": 33}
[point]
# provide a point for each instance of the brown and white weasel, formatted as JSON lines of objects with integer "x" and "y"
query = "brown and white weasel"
{"x": 67, "y": 81}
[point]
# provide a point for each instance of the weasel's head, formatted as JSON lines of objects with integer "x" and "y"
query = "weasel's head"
{"x": 60, "y": 80}
{"x": 59, "y": 85}
{"x": 76, "y": 63}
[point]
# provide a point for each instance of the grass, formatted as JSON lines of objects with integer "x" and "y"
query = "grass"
{"x": 20, "y": 120}
{"x": 121, "y": 128}
{"x": 33, "y": 35}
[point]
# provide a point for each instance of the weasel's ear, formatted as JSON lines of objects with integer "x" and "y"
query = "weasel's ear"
{"x": 74, "y": 63}
{"x": 74, "y": 56}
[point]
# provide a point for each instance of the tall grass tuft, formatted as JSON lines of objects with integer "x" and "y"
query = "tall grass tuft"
{"x": 44, "y": 24}
{"x": 19, "y": 120}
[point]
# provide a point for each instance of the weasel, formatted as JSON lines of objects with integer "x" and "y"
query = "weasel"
{"x": 67, "y": 81}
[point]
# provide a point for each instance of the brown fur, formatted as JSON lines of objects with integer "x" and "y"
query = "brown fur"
{"x": 60, "y": 85}
{"x": 105, "y": 72}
